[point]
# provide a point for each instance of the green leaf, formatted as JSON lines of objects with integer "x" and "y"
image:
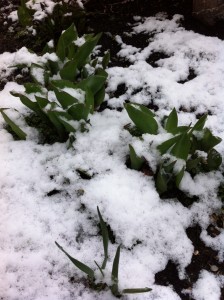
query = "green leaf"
{"x": 93, "y": 82}
{"x": 66, "y": 38}
{"x": 72, "y": 48}
{"x": 182, "y": 147}
{"x": 61, "y": 84}
{"x": 179, "y": 177}
{"x": 142, "y": 117}
{"x": 214, "y": 160}
{"x": 136, "y": 161}
{"x": 168, "y": 168}
{"x": 165, "y": 146}
{"x": 84, "y": 73}
{"x": 33, "y": 88}
{"x": 105, "y": 235}
{"x": 65, "y": 119}
{"x": 136, "y": 291}
{"x": 19, "y": 132}
{"x": 181, "y": 129}
{"x": 100, "y": 268}
{"x": 101, "y": 72}
{"x": 57, "y": 123}
{"x": 79, "y": 111}
{"x": 99, "y": 97}
{"x": 47, "y": 49}
{"x": 53, "y": 66}
{"x": 114, "y": 274}
{"x": 85, "y": 50}
{"x": 193, "y": 164}
{"x": 200, "y": 123}
{"x": 172, "y": 122}
{"x": 106, "y": 59}
{"x": 69, "y": 71}
{"x": 208, "y": 141}
{"x": 42, "y": 102}
{"x": 39, "y": 74}
{"x": 89, "y": 101}
{"x": 94, "y": 62}
{"x": 64, "y": 98}
{"x": 161, "y": 182}
{"x": 30, "y": 104}
{"x": 24, "y": 16}
{"x": 84, "y": 268}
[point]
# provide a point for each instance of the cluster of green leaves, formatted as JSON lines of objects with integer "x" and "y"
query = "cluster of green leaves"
{"x": 77, "y": 72}
{"x": 64, "y": 13}
{"x": 115, "y": 268}
{"x": 194, "y": 145}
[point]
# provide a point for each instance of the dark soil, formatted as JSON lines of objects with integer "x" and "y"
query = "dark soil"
{"x": 113, "y": 18}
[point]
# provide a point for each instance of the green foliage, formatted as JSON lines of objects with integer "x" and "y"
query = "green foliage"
{"x": 64, "y": 13}
{"x": 114, "y": 273}
{"x": 66, "y": 113}
{"x": 19, "y": 132}
{"x": 136, "y": 162}
{"x": 142, "y": 117}
{"x": 24, "y": 14}
{"x": 188, "y": 144}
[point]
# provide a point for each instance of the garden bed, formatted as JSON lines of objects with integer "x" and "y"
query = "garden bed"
{"x": 172, "y": 243}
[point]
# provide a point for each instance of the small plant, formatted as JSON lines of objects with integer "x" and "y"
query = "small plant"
{"x": 190, "y": 149}
{"x": 114, "y": 274}
{"x": 63, "y": 13}
{"x": 67, "y": 87}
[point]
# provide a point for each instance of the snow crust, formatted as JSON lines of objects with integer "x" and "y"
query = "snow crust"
{"x": 43, "y": 198}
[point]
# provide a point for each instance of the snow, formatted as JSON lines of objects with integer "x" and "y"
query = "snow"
{"x": 207, "y": 287}
{"x": 151, "y": 231}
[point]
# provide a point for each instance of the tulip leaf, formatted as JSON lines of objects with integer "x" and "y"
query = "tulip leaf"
{"x": 208, "y": 141}
{"x": 84, "y": 268}
{"x": 79, "y": 111}
{"x": 69, "y": 71}
{"x": 15, "y": 128}
{"x": 161, "y": 181}
{"x": 172, "y": 122}
{"x": 114, "y": 274}
{"x": 66, "y": 120}
{"x": 136, "y": 161}
{"x": 85, "y": 50}
{"x": 179, "y": 177}
{"x": 136, "y": 291}
{"x": 142, "y": 117}
{"x": 32, "y": 88}
{"x": 165, "y": 146}
{"x": 93, "y": 82}
{"x": 66, "y": 38}
{"x": 89, "y": 101}
{"x": 65, "y": 99}
{"x": 181, "y": 148}
{"x": 105, "y": 235}
{"x": 106, "y": 59}
{"x": 214, "y": 160}
{"x": 200, "y": 123}
{"x": 99, "y": 97}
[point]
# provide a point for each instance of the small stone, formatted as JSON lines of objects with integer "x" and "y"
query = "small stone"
{"x": 214, "y": 268}
{"x": 196, "y": 252}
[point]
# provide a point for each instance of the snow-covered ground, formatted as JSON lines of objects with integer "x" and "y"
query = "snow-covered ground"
{"x": 32, "y": 267}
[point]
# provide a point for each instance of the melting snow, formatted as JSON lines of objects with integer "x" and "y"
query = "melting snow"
{"x": 150, "y": 230}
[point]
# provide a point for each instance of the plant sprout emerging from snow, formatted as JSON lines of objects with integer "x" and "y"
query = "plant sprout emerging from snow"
{"x": 114, "y": 274}
{"x": 67, "y": 87}
{"x": 190, "y": 149}
{"x": 43, "y": 17}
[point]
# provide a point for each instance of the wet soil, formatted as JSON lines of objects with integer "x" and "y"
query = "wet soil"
{"x": 114, "y": 18}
